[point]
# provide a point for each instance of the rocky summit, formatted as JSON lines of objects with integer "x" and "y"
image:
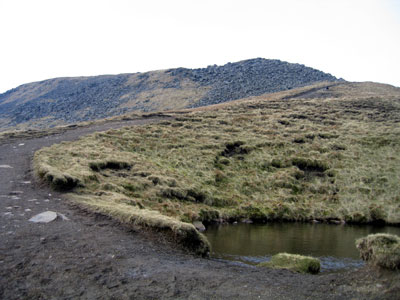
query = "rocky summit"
{"x": 63, "y": 101}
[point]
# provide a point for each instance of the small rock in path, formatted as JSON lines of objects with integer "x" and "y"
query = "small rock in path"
{"x": 6, "y": 167}
{"x": 44, "y": 217}
{"x": 16, "y": 193}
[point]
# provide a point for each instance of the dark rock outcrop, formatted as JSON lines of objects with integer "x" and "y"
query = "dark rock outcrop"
{"x": 252, "y": 77}
{"x": 70, "y": 100}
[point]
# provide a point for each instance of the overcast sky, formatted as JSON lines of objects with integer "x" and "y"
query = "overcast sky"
{"x": 358, "y": 40}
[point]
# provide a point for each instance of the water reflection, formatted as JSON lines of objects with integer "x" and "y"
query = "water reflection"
{"x": 252, "y": 243}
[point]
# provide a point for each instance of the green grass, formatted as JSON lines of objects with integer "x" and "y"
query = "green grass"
{"x": 293, "y": 262}
{"x": 265, "y": 159}
{"x": 380, "y": 249}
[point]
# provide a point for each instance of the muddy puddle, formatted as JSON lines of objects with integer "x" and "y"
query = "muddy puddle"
{"x": 251, "y": 244}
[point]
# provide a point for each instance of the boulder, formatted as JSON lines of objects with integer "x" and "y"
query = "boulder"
{"x": 44, "y": 217}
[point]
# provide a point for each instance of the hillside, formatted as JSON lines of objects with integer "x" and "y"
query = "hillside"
{"x": 310, "y": 154}
{"x": 62, "y": 101}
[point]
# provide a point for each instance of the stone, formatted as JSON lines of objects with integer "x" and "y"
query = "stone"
{"x": 63, "y": 217}
{"x": 44, "y": 217}
{"x": 247, "y": 221}
{"x": 6, "y": 167}
{"x": 199, "y": 225}
{"x": 16, "y": 193}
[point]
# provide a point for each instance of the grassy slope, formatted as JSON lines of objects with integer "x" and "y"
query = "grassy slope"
{"x": 274, "y": 157}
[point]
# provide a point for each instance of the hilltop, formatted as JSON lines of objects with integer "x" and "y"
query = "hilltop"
{"x": 63, "y": 101}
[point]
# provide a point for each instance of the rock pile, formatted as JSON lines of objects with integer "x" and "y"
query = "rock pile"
{"x": 250, "y": 78}
{"x": 77, "y": 99}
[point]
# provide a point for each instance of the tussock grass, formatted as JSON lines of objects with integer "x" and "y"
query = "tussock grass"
{"x": 266, "y": 158}
{"x": 293, "y": 262}
{"x": 381, "y": 250}
{"x": 128, "y": 212}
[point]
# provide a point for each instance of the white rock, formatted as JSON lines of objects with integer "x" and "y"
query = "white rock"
{"x": 44, "y": 217}
{"x": 6, "y": 167}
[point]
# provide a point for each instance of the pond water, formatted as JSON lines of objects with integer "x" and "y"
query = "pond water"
{"x": 334, "y": 245}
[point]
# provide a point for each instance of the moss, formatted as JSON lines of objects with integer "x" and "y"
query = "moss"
{"x": 381, "y": 250}
{"x": 255, "y": 213}
{"x": 209, "y": 215}
{"x": 356, "y": 217}
{"x": 377, "y": 213}
{"x": 293, "y": 262}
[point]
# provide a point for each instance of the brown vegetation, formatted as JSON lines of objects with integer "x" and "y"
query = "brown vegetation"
{"x": 274, "y": 157}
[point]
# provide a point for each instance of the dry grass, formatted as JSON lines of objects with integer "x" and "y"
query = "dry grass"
{"x": 128, "y": 212}
{"x": 274, "y": 157}
{"x": 381, "y": 250}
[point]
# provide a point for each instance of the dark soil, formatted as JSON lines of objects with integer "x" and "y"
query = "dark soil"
{"x": 90, "y": 256}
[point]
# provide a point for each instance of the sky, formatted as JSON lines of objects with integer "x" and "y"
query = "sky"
{"x": 358, "y": 40}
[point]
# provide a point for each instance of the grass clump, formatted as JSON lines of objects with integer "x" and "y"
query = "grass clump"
{"x": 381, "y": 249}
{"x": 293, "y": 262}
{"x": 58, "y": 180}
{"x": 310, "y": 165}
{"x": 111, "y": 164}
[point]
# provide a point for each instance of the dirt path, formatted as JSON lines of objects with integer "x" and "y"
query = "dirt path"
{"x": 91, "y": 257}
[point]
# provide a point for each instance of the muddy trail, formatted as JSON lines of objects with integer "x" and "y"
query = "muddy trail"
{"x": 82, "y": 255}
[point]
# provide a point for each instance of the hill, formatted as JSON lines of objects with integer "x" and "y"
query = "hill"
{"x": 310, "y": 154}
{"x": 62, "y": 101}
